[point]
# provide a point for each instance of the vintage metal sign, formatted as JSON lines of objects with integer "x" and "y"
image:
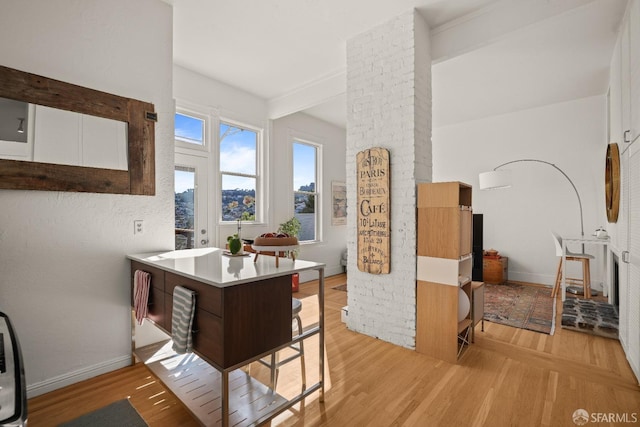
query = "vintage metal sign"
{"x": 374, "y": 210}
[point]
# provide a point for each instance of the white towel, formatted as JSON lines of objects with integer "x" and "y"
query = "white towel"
{"x": 141, "y": 282}
{"x": 184, "y": 307}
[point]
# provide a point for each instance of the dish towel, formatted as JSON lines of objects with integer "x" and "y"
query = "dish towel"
{"x": 184, "y": 307}
{"x": 141, "y": 282}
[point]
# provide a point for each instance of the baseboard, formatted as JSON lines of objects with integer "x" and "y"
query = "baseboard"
{"x": 60, "y": 381}
{"x": 541, "y": 279}
{"x": 632, "y": 363}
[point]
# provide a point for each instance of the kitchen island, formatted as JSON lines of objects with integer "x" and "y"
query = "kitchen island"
{"x": 243, "y": 313}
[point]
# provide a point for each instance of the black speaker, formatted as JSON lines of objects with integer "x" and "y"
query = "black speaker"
{"x": 476, "y": 246}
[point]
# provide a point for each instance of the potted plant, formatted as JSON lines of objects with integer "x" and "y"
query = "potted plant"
{"x": 292, "y": 227}
{"x": 234, "y": 242}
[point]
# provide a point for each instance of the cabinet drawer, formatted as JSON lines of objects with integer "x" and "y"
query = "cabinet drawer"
{"x": 156, "y": 307}
{"x": 207, "y": 332}
{"x": 209, "y": 297}
{"x": 207, "y": 336}
{"x": 157, "y": 275}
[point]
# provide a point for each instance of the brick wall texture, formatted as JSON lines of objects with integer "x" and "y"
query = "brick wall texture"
{"x": 389, "y": 106}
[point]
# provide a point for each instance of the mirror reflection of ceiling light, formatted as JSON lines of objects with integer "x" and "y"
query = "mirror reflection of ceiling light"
{"x": 21, "y": 126}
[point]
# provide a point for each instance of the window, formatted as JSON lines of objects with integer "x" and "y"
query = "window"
{"x": 189, "y": 130}
{"x": 185, "y": 185}
{"x": 239, "y": 176}
{"x": 305, "y": 189}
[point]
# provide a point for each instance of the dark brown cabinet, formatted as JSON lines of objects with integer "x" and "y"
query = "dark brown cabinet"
{"x": 231, "y": 324}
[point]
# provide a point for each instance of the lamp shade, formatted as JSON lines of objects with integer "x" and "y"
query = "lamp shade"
{"x": 495, "y": 179}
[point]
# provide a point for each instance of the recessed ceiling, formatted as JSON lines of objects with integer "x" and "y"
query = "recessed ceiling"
{"x": 559, "y": 49}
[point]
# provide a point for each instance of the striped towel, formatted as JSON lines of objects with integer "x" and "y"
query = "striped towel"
{"x": 184, "y": 307}
{"x": 141, "y": 282}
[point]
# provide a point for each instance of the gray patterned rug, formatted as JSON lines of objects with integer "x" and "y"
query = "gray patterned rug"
{"x": 592, "y": 317}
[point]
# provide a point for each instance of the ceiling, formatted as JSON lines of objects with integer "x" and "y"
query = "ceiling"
{"x": 489, "y": 56}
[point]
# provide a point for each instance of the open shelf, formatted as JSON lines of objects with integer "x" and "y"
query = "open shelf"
{"x": 444, "y": 268}
{"x": 198, "y": 385}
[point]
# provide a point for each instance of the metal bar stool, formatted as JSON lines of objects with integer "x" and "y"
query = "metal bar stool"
{"x": 274, "y": 363}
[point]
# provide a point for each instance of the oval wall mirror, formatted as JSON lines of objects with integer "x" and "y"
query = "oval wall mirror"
{"x": 612, "y": 182}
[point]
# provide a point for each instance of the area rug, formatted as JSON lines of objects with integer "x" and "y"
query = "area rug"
{"x": 520, "y": 306}
{"x": 342, "y": 287}
{"x": 119, "y": 413}
{"x": 591, "y": 317}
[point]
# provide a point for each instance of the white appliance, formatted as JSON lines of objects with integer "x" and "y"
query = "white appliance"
{"x": 13, "y": 390}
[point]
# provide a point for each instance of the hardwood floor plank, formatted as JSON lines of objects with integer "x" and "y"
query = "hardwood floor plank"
{"x": 508, "y": 377}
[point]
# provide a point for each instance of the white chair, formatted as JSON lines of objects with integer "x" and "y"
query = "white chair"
{"x": 585, "y": 281}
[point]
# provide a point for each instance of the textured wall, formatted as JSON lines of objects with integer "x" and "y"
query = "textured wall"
{"x": 389, "y": 106}
{"x": 64, "y": 278}
{"x": 518, "y": 221}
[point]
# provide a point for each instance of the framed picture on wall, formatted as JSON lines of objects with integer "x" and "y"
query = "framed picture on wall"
{"x": 338, "y": 203}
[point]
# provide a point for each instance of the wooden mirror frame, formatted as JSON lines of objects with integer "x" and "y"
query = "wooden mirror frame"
{"x": 139, "y": 116}
{"x": 612, "y": 182}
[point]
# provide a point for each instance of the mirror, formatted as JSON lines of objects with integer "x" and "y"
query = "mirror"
{"x": 136, "y": 171}
{"x": 37, "y": 133}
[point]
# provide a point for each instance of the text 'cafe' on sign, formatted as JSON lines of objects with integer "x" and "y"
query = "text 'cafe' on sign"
{"x": 374, "y": 210}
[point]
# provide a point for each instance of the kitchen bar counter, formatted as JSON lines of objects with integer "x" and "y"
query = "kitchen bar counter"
{"x": 211, "y": 266}
{"x": 243, "y": 313}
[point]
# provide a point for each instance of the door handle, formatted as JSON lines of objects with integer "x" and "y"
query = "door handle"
{"x": 625, "y": 257}
{"x": 204, "y": 241}
{"x": 626, "y": 136}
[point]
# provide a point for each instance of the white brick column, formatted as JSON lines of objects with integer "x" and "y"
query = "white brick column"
{"x": 389, "y": 106}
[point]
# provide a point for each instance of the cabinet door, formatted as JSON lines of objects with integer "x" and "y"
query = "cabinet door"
{"x": 634, "y": 69}
{"x": 615, "y": 97}
{"x": 632, "y": 297}
{"x": 439, "y": 232}
{"x": 466, "y": 231}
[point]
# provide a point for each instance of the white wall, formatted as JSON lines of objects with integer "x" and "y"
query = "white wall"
{"x": 64, "y": 278}
{"x": 219, "y": 100}
{"x": 518, "y": 220}
{"x": 332, "y": 140}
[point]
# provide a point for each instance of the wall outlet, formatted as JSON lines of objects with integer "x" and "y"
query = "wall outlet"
{"x": 137, "y": 226}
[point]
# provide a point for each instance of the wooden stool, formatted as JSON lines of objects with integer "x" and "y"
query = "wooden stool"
{"x": 585, "y": 259}
{"x": 585, "y": 281}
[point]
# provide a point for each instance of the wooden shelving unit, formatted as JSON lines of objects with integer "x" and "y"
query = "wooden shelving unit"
{"x": 444, "y": 267}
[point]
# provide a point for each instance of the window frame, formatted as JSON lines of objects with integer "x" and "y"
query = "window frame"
{"x": 205, "y": 130}
{"x": 318, "y": 211}
{"x": 259, "y": 198}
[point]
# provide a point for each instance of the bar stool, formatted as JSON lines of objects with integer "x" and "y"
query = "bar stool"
{"x": 571, "y": 256}
{"x": 274, "y": 363}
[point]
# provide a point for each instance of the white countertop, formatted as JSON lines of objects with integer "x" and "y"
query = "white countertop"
{"x": 209, "y": 265}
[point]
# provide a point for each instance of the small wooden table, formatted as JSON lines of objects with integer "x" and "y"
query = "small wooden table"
{"x": 495, "y": 270}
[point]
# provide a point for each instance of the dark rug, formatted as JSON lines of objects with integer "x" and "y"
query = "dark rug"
{"x": 341, "y": 287}
{"x": 119, "y": 413}
{"x": 520, "y": 306}
{"x": 589, "y": 316}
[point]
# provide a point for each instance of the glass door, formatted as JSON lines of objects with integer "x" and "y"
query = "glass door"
{"x": 191, "y": 202}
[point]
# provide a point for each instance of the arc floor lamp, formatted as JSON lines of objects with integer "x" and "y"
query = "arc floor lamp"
{"x": 496, "y": 179}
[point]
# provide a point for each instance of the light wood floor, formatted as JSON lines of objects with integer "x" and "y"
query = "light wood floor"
{"x": 509, "y": 377}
